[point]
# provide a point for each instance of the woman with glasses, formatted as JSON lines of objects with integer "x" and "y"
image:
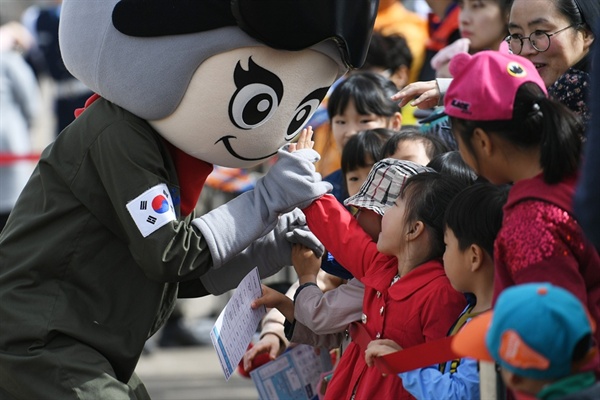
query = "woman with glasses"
{"x": 556, "y": 36}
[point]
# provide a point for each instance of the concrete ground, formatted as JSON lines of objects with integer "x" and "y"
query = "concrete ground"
{"x": 191, "y": 373}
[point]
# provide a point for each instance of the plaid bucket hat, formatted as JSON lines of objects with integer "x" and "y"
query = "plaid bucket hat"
{"x": 384, "y": 183}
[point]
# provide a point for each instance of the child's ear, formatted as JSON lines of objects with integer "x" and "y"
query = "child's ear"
{"x": 401, "y": 76}
{"x": 396, "y": 121}
{"x": 482, "y": 141}
{"x": 476, "y": 257}
{"x": 415, "y": 230}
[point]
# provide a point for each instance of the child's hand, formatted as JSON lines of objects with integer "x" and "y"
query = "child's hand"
{"x": 329, "y": 281}
{"x": 270, "y": 343}
{"x": 306, "y": 264}
{"x": 378, "y": 348}
{"x": 271, "y": 298}
{"x": 304, "y": 140}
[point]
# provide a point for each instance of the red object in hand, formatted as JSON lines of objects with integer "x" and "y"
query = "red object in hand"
{"x": 259, "y": 360}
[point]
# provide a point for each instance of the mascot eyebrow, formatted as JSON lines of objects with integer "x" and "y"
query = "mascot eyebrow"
{"x": 258, "y": 95}
{"x": 307, "y": 106}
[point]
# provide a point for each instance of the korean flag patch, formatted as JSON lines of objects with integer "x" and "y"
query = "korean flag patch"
{"x": 152, "y": 209}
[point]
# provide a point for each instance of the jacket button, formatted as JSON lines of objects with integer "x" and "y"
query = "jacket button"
{"x": 378, "y": 335}
{"x": 381, "y": 310}
{"x": 363, "y": 318}
{"x": 378, "y": 294}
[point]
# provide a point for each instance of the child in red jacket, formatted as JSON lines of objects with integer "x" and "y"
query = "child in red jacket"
{"x": 408, "y": 297}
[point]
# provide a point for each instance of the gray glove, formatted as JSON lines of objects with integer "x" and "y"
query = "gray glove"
{"x": 270, "y": 253}
{"x": 292, "y": 182}
{"x": 306, "y": 238}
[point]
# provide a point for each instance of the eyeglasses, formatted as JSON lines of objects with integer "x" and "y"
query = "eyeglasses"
{"x": 539, "y": 40}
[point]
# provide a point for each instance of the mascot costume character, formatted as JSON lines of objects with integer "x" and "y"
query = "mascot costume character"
{"x": 104, "y": 238}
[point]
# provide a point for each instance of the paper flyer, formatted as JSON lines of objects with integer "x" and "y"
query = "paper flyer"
{"x": 294, "y": 375}
{"x": 237, "y": 323}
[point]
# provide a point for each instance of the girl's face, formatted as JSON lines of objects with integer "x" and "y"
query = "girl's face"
{"x": 370, "y": 221}
{"x": 393, "y": 229}
{"x": 482, "y": 22}
{"x": 466, "y": 153}
{"x": 566, "y": 47}
{"x": 346, "y": 124}
{"x": 476, "y": 159}
{"x": 356, "y": 177}
{"x": 455, "y": 262}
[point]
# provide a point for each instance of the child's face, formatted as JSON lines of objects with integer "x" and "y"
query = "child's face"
{"x": 479, "y": 159}
{"x": 411, "y": 150}
{"x": 370, "y": 221}
{"x": 356, "y": 177}
{"x": 349, "y": 122}
{"x": 456, "y": 263}
{"x": 523, "y": 388}
{"x": 391, "y": 239}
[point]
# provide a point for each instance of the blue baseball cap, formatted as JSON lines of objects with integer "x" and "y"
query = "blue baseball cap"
{"x": 532, "y": 331}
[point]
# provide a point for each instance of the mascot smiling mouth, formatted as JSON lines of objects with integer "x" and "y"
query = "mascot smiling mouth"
{"x": 227, "y": 144}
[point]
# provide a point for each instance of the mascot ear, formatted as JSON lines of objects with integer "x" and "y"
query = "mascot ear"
{"x": 150, "y": 18}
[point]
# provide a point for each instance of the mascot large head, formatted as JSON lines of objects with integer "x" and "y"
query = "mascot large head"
{"x": 226, "y": 81}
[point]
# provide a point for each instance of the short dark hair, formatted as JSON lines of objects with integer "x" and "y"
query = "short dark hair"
{"x": 475, "y": 215}
{"x": 363, "y": 146}
{"x": 451, "y": 163}
{"x": 370, "y": 92}
{"x": 427, "y": 195}
{"x": 433, "y": 145}
{"x": 389, "y": 52}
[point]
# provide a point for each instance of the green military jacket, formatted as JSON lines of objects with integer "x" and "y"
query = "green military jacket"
{"x": 74, "y": 261}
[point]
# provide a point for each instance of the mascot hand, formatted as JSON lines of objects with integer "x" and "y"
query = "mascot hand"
{"x": 298, "y": 232}
{"x": 270, "y": 253}
{"x": 292, "y": 182}
{"x": 306, "y": 238}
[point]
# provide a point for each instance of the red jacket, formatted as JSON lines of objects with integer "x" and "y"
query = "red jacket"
{"x": 419, "y": 307}
{"x": 540, "y": 241}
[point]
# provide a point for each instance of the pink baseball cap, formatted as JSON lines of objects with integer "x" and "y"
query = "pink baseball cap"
{"x": 485, "y": 85}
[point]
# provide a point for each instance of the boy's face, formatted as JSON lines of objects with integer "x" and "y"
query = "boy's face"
{"x": 411, "y": 150}
{"x": 522, "y": 388}
{"x": 356, "y": 177}
{"x": 456, "y": 262}
{"x": 370, "y": 221}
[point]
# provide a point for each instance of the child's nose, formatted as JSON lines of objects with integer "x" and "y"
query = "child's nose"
{"x": 352, "y": 128}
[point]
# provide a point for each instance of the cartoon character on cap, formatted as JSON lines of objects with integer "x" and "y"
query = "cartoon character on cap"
{"x": 542, "y": 338}
{"x": 104, "y": 237}
{"x": 487, "y": 102}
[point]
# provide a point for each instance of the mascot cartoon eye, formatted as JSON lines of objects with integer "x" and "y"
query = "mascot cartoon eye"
{"x": 306, "y": 108}
{"x": 258, "y": 96}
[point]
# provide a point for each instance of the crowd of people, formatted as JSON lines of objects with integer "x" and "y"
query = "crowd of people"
{"x": 514, "y": 95}
{"x": 464, "y": 200}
